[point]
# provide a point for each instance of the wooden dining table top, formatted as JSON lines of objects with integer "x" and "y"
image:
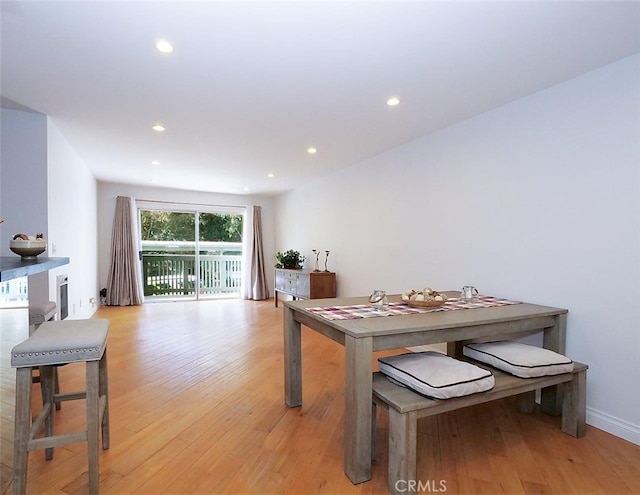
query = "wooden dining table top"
{"x": 417, "y": 322}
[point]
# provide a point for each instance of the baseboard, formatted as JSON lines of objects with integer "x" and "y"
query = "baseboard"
{"x": 615, "y": 426}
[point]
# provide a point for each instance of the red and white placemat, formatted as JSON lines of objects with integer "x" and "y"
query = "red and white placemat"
{"x": 399, "y": 308}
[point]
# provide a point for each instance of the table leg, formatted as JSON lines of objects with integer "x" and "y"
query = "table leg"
{"x": 555, "y": 339}
{"x": 292, "y": 360}
{"x": 454, "y": 349}
{"x": 357, "y": 410}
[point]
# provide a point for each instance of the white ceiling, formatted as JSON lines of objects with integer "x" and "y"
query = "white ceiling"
{"x": 251, "y": 85}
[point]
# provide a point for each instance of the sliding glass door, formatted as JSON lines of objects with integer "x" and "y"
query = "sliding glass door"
{"x": 190, "y": 254}
{"x": 219, "y": 254}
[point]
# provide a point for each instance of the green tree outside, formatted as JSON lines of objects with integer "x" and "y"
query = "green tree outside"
{"x": 180, "y": 226}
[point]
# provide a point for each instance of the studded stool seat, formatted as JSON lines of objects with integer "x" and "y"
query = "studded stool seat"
{"x": 56, "y": 343}
{"x": 39, "y": 312}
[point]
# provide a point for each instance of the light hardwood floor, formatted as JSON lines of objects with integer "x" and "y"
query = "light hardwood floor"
{"x": 197, "y": 407}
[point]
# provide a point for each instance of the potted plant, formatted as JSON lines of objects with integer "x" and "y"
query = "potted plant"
{"x": 290, "y": 259}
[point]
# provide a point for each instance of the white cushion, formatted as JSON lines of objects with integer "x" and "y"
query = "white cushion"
{"x": 436, "y": 375}
{"x": 522, "y": 360}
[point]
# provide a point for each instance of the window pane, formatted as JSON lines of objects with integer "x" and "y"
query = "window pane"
{"x": 220, "y": 228}
{"x": 167, "y": 226}
{"x": 168, "y": 253}
{"x": 220, "y": 250}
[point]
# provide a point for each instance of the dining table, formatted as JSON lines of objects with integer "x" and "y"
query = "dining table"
{"x": 364, "y": 330}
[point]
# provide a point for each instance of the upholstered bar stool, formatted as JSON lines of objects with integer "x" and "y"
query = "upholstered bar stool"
{"x": 39, "y": 312}
{"x": 55, "y": 343}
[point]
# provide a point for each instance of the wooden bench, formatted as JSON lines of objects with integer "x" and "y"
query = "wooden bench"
{"x": 406, "y": 407}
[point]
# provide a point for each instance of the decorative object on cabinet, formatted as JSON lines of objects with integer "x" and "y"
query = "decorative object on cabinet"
{"x": 325, "y": 261}
{"x": 291, "y": 260}
{"x": 302, "y": 284}
{"x": 317, "y": 254}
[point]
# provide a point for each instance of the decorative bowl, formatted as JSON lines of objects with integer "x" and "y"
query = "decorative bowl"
{"x": 30, "y": 249}
{"x": 425, "y": 304}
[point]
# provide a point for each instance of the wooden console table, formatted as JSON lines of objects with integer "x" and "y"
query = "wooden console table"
{"x": 301, "y": 284}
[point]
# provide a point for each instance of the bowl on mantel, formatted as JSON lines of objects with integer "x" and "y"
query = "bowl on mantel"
{"x": 28, "y": 250}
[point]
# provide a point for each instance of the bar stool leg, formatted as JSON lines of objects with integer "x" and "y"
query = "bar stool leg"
{"x": 22, "y": 429}
{"x": 37, "y": 379}
{"x": 103, "y": 391}
{"x": 47, "y": 378}
{"x": 56, "y": 381}
{"x": 93, "y": 424}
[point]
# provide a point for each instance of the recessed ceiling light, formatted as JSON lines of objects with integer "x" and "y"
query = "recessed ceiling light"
{"x": 155, "y": 162}
{"x": 164, "y": 46}
{"x": 271, "y": 176}
{"x": 393, "y": 101}
{"x": 312, "y": 150}
{"x": 158, "y": 127}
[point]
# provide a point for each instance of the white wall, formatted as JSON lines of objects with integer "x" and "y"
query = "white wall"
{"x": 47, "y": 188}
{"x": 537, "y": 201}
{"x": 107, "y": 193}
{"x": 23, "y": 190}
{"x": 73, "y": 232}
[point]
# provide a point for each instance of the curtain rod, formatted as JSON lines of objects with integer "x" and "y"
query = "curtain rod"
{"x": 188, "y": 204}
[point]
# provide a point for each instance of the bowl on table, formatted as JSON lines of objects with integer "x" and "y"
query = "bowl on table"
{"x": 28, "y": 249}
{"x": 425, "y": 298}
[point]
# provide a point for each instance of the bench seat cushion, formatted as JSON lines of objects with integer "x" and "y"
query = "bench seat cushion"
{"x": 518, "y": 359}
{"x": 436, "y": 375}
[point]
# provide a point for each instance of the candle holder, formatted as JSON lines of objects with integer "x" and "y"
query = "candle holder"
{"x": 325, "y": 261}
{"x": 317, "y": 253}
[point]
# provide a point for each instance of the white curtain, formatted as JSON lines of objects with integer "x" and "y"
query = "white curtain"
{"x": 254, "y": 281}
{"x": 123, "y": 284}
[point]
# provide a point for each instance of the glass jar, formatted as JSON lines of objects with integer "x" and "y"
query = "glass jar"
{"x": 378, "y": 299}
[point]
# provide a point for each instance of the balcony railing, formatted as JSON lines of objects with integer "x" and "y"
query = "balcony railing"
{"x": 14, "y": 293}
{"x": 174, "y": 274}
